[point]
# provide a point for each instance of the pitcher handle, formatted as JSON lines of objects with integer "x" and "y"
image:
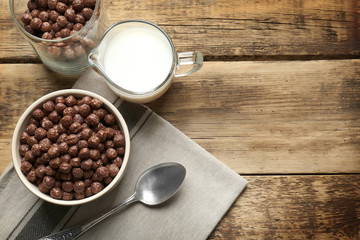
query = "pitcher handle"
{"x": 189, "y": 58}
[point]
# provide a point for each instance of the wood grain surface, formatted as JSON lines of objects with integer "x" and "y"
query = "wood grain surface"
{"x": 229, "y": 30}
{"x": 256, "y": 117}
{"x": 277, "y": 101}
{"x": 294, "y": 207}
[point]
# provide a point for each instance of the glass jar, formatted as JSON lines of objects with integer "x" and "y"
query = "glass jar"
{"x": 69, "y": 55}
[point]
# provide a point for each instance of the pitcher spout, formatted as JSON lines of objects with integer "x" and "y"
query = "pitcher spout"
{"x": 93, "y": 58}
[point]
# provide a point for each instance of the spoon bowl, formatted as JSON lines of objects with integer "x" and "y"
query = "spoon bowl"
{"x": 154, "y": 187}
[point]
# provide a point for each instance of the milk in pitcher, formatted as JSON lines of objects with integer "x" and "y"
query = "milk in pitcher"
{"x": 138, "y": 59}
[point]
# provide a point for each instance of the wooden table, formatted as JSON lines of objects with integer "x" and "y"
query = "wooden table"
{"x": 278, "y": 101}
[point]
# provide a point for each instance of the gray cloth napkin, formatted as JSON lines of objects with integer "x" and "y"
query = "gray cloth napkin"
{"x": 208, "y": 191}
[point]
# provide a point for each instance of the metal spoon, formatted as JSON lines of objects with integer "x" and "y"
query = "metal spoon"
{"x": 154, "y": 186}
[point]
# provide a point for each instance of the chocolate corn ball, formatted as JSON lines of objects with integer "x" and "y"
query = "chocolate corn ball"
{"x": 103, "y": 171}
{"x": 90, "y": 3}
{"x": 49, "y": 181}
{"x": 82, "y": 144}
{"x": 61, "y": 7}
{"x": 96, "y": 187}
{"x": 29, "y": 156}
{"x": 88, "y": 174}
{"x": 45, "y": 27}
{"x": 77, "y": 26}
{"x": 69, "y": 53}
{"x": 66, "y": 176}
{"x": 73, "y": 151}
{"x": 32, "y": 140}
{"x": 108, "y": 180}
{"x": 46, "y": 124}
{"x": 97, "y": 178}
{"x": 117, "y": 161}
{"x": 65, "y": 32}
{"x": 70, "y": 26}
{"x": 113, "y": 170}
{"x": 79, "y": 195}
{"x": 55, "y": 163}
{"x": 109, "y": 144}
{"x": 25, "y": 166}
{"x": 78, "y": 48}
{"x": 34, "y": 121}
{"x": 29, "y": 29}
{"x": 88, "y": 192}
{"x": 40, "y": 171}
{"x": 78, "y": 5}
{"x": 65, "y": 158}
{"x": 42, "y": 3}
{"x": 36, "y": 150}
{"x": 65, "y": 167}
{"x": 53, "y": 15}
{"x": 70, "y": 14}
{"x": 94, "y": 154}
{"x": 52, "y": 4}
{"x": 47, "y": 35}
{"x": 43, "y": 188}
{"x": 119, "y": 140}
{"x": 80, "y": 19}
{"x": 63, "y": 148}
{"x": 60, "y": 99}
{"x": 70, "y": 101}
{"x": 87, "y": 13}
{"x": 50, "y": 171}
{"x": 110, "y": 132}
{"x": 84, "y": 153}
{"x": 111, "y": 153}
{"x": 62, "y": 138}
{"x": 79, "y": 186}
{"x": 35, "y": 23}
{"x": 52, "y": 134}
{"x": 75, "y": 162}
{"x": 77, "y": 173}
{"x": 87, "y": 164}
{"x": 93, "y": 141}
{"x": 56, "y": 193}
{"x": 23, "y": 149}
{"x": 26, "y": 18}
{"x": 54, "y": 117}
{"x": 67, "y": 196}
{"x": 23, "y": 137}
{"x": 54, "y": 51}
{"x": 31, "y": 176}
{"x": 31, "y": 128}
{"x": 44, "y": 16}
{"x": 32, "y": 5}
{"x": 67, "y": 186}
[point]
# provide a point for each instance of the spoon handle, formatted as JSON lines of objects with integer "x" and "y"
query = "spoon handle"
{"x": 76, "y": 231}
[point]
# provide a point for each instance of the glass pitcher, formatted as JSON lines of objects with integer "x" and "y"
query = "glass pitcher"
{"x": 139, "y": 61}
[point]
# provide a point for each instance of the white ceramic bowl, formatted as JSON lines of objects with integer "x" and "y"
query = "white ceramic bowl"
{"x": 23, "y": 122}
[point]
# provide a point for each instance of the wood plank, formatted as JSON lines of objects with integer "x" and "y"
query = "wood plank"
{"x": 223, "y": 29}
{"x": 294, "y": 207}
{"x": 271, "y": 117}
{"x": 256, "y": 117}
{"x": 21, "y": 85}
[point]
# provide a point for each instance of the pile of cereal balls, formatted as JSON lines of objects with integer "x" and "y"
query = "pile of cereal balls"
{"x": 55, "y": 19}
{"x": 71, "y": 148}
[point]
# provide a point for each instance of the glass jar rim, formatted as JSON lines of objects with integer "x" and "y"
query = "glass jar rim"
{"x": 33, "y": 37}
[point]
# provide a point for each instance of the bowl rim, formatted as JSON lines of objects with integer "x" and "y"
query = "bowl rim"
{"x": 16, "y": 158}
